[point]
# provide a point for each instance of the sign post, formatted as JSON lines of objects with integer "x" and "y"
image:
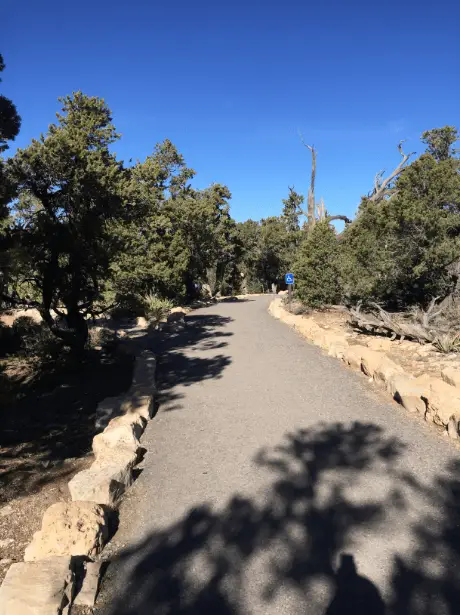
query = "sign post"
{"x": 289, "y": 279}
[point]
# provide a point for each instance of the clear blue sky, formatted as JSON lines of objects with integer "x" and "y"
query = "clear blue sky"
{"x": 231, "y": 82}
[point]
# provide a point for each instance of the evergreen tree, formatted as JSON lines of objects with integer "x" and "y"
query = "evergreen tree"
{"x": 317, "y": 267}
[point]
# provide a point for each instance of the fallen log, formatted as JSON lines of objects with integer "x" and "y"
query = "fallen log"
{"x": 416, "y": 325}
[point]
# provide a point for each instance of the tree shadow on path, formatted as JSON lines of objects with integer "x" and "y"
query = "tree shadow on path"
{"x": 183, "y": 355}
{"x": 203, "y": 563}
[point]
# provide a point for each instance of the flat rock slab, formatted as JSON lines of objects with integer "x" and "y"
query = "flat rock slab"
{"x": 37, "y": 588}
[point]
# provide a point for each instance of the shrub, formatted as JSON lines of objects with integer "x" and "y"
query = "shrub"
{"x": 34, "y": 339}
{"x": 317, "y": 267}
{"x": 450, "y": 342}
{"x": 102, "y": 337}
{"x": 155, "y": 308}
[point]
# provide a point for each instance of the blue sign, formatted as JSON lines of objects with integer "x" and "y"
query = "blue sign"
{"x": 289, "y": 278}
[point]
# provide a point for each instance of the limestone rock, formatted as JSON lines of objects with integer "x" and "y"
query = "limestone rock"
{"x": 380, "y": 343}
{"x": 145, "y": 368}
{"x": 443, "y": 400}
{"x": 326, "y": 339}
{"x": 69, "y": 528}
{"x": 115, "y": 438}
{"x": 183, "y": 310}
{"x": 87, "y": 594}
{"x": 370, "y": 360}
{"x": 451, "y": 375}
{"x": 105, "y": 481}
{"x": 386, "y": 371}
{"x": 37, "y": 588}
{"x": 452, "y": 428}
{"x": 136, "y": 421}
{"x": 106, "y": 410}
{"x": 176, "y": 316}
{"x": 142, "y": 322}
{"x": 408, "y": 392}
{"x": 353, "y": 355}
{"x": 337, "y": 349}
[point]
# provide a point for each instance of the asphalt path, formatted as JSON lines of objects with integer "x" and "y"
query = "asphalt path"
{"x": 277, "y": 481}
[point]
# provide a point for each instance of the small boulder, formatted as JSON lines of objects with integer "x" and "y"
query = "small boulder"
{"x": 37, "y": 588}
{"x": 386, "y": 371}
{"x": 337, "y": 349}
{"x": 144, "y": 369}
{"x": 106, "y": 480}
{"x": 353, "y": 355}
{"x": 370, "y": 361}
{"x": 408, "y": 393}
{"x": 133, "y": 419}
{"x": 443, "y": 400}
{"x": 380, "y": 343}
{"x": 69, "y": 528}
{"x": 451, "y": 375}
{"x": 115, "y": 438}
{"x": 106, "y": 410}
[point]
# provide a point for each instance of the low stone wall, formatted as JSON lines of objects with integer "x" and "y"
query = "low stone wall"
{"x": 59, "y": 558}
{"x": 437, "y": 400}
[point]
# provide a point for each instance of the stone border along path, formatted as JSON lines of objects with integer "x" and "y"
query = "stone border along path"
{"x": 436, "y": 400}
{"x": 59, "y": 570}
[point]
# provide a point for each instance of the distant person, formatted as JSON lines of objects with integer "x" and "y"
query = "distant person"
{"x": 354, "y": 595}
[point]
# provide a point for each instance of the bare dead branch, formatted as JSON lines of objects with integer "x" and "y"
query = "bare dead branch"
{"x": 381, "y": 186}
{"x": 338, "y": 217}
{"x": 398, "y": 325}
{"x": 311, "y": 191}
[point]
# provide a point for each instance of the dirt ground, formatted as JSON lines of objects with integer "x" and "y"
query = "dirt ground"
{"x": 415, "y": 358}
{"x": 46, "y": 431}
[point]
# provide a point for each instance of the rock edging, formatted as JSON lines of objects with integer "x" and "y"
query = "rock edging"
{"x": 74, "y": 533}
{"x": 437, "y": 400}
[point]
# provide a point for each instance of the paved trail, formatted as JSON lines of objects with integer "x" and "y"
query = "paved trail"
{"x": 278, "y": 482}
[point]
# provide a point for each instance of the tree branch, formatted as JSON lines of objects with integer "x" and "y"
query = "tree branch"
{"x": 20, "y": 302}
{"x": 381, "y": 189}
{"x": 338, "y": 217}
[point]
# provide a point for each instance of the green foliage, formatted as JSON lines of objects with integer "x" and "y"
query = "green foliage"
{"x": 269, "y": 246}
{"x": 292, "y": 210}
{"x": 440, "y": 142}
{"x": 10, "y": 122}
{"x": 172, "y": 234}
{"x": 317, "y": 267}
{"x": 399, "y": 251}
{"x": 156, "y": 308}
{"x": 69, "y": 187}
{"x": 33, "y": 339}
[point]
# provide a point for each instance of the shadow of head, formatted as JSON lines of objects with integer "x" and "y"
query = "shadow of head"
{"x": 354, "y": 594}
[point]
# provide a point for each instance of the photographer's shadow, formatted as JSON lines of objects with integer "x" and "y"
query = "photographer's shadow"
{"x": 354, "y": 595}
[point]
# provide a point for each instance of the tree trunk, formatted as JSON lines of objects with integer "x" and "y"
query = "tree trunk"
{"x": 311, "y": 190}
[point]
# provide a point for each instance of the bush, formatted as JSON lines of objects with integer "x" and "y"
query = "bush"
{"x": 155, "y": 308}
{"x": 102, "y": 337}
{"x": 128, "y": 307}
{"x": 34, "y": 339}
{"x": 317, "y": 268}
{"x": 450, "y": 342}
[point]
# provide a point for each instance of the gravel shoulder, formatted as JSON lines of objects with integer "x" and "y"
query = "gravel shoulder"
{"x": 278, "y": 482}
